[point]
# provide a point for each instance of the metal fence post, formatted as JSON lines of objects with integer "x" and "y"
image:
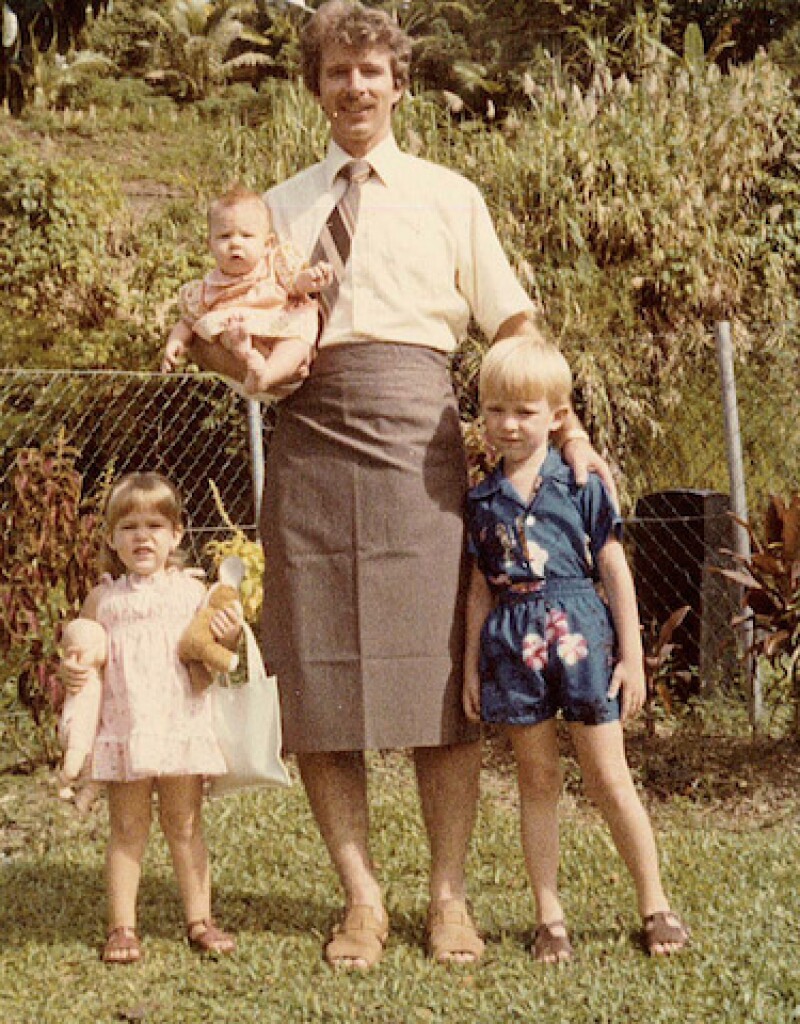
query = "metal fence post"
{"x": 741, "y": 538}
{"x": 255, "y": 428}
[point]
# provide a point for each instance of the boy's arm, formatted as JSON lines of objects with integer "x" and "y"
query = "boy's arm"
{"x": 618, "y": 584}
{"x": 479, "y": 603}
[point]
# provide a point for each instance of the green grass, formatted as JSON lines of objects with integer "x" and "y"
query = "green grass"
{"x": 734, "y": 876}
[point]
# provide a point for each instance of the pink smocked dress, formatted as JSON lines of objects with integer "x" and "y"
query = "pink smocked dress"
{"x": 261, "y": 298}
{"x": 151, "y": 721}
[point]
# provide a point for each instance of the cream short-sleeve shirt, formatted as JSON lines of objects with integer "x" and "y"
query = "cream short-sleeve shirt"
{"x": 424, "y": 257}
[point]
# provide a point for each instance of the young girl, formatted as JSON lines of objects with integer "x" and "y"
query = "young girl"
{"x": 256, "y": 302}
{"x": 155, "y": 732}
{"x": 540, "y": 640}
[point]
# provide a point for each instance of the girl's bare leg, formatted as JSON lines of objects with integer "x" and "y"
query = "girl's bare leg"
{"x": 180, "y": 813}
{"x": 129, "y": 810}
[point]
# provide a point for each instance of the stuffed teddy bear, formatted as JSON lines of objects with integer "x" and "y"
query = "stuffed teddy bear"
{"x": 84, "y": 640}
{"x": 197, "y": 643}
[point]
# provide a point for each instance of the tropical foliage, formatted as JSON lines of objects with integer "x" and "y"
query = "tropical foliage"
{"x": 770, "y": 582}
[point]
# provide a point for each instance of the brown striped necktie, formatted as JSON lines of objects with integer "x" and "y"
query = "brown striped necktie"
{"x": 336, "y": 237}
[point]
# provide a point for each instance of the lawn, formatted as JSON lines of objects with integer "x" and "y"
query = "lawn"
{"x": 727, "y": 818}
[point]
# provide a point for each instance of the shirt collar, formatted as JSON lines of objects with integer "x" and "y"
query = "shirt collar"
{"x": 384, "y": 159}
{"x": 553, "y": 468}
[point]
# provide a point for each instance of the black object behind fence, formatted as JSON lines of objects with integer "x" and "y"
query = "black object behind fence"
{"x": 678, "y": 537}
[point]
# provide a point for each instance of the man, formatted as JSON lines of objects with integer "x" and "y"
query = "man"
{"x": 365, "y": 480}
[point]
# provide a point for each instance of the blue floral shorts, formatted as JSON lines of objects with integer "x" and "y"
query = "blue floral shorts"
{"x": 547, "y": 651}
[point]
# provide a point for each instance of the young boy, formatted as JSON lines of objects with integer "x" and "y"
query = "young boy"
{"x": 541, "y": 641}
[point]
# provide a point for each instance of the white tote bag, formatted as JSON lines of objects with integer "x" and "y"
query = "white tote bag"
{"x": 247, "y": 724}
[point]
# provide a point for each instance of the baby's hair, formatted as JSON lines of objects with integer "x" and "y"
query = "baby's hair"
{"x": 522, "y": 368}
{"x": 135, "y": 492}
{"x": 235, "y": 195}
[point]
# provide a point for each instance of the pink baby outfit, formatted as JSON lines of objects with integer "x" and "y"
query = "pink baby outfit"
{"x": 151, "y": 721}
{"x": 261, "y": 298}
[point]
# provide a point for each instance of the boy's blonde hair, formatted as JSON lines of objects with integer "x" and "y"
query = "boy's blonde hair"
{"x": 236, "y": 195}
{"x": 135, "y": 492}
{"x": 522, "y": 368}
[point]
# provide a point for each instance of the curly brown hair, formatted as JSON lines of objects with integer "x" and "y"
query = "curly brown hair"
{"x": 350, "y": 24}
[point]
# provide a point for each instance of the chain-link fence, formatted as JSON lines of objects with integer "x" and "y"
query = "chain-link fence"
{"x": 192, "y": 428}
{"x": 195, "y": 429}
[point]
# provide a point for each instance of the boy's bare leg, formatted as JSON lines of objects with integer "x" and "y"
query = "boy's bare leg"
{"x": 608, "y": 781}
{"x": 539, "y": 780}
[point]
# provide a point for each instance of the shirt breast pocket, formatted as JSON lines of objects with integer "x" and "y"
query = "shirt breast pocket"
{"x": 414, "y": 248}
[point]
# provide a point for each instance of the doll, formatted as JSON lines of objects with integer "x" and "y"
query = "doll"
{"x": 84, "y": 641}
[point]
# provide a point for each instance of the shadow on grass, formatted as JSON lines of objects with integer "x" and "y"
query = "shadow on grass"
{"x": 40, "y": 901}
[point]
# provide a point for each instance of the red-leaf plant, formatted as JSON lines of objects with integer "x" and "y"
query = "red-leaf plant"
{"x": 770, "y": 582}
{"x": 49, "y": 537}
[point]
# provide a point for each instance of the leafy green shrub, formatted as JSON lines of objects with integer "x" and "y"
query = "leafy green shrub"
{"x": 49, "y": 537}
{"x": 109, "y": 93}
{"x": 60, "y": 222}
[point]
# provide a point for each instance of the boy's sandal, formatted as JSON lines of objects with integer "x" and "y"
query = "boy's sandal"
{"x": 122, "y": 946}
{"x": 205, "y": 937}
{"x": 551, "y": 944}
{"x": 360, "y": 935}
{"x": 664, "y": 928}
{"x": 452, "y": 935}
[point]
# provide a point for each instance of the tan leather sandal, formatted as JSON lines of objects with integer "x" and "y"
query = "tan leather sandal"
{"x": 361, "y": 935}
{"x": 205, "y": 937}
{"x": 452, "y": 933}
{"x": 664, "y": 928}
{"x": 122, "y": 946}
{"x": 551, "y": 943}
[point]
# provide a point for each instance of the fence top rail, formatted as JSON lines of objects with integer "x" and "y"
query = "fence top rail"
{"x": 133, "y": 374}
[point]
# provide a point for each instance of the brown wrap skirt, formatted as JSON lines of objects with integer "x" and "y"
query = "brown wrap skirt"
{"x": 364, "y": 546}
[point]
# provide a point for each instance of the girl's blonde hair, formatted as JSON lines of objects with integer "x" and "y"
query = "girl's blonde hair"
{"x": 521, "y": 368}
{"x": 135, "y": 492}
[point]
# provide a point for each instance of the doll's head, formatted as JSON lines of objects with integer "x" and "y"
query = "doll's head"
{"x": 143, "y": 525}
{"x": 239, "y": 230}
{"x": 521, "y": 368}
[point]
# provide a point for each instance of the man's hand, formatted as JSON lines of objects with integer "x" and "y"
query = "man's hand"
{"x": 581, "y": 457}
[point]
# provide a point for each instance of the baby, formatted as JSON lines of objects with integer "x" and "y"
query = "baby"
{"x": 256, "y": 304}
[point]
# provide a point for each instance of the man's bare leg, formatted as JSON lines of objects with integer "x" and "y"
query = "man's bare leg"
{"x": 448, "y": 781}
{"x": 336, "y": 786}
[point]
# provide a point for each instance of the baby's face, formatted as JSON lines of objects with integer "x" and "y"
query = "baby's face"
{"x": 238, "y": 236}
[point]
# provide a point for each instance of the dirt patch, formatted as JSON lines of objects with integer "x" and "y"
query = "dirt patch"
{"x": 739, "y": 782}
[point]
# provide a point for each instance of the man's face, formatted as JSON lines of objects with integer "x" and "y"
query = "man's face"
{"x": 357, "y": 91}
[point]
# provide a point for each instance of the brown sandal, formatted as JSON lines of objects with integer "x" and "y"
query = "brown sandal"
{"x": 122, "y": 946}
{"x": 551, "y": 943}
{"x": 664, "y": 928}
{"x": 452, "y": 934}
{"x": 361, "y": 935}
{"x": 211, "y": 939}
